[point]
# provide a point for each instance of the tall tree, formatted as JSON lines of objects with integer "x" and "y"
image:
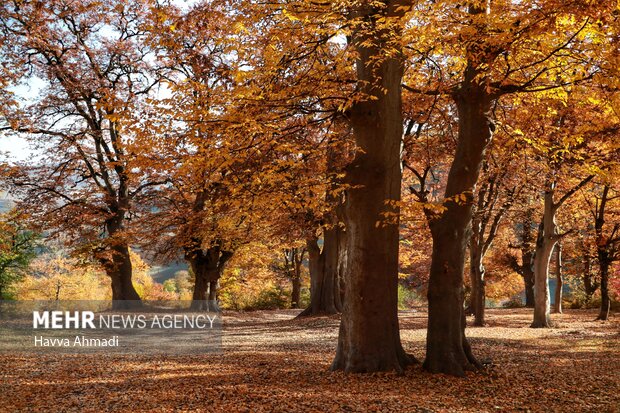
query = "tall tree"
{"x": 86, "y": 183}
{"x": 494, "y": 198}
{"x": 369, "y": 338}
{"x": 492, "y": 57}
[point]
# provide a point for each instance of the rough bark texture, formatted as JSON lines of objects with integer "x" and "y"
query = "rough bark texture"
{"x": 369, "y": 338}
{"x": 447, "y": 348}
{"x": 119, "y": 269}
{"x": 116, "y": 262}
{"x": 559, "y": 280}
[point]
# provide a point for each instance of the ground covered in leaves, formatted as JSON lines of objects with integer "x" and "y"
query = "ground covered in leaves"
{"x": 274, "y": 363}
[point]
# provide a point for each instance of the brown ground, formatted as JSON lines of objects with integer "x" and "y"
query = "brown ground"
{"x": 272, "y": 363}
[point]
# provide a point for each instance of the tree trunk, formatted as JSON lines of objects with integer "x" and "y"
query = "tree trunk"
{"x": 447, "y": 348}
{"x": 478, "y": 296}
{"x": 527, "y": 258}
{"x": 528, "y": 278}
{"x": 589, "y": 284}
{"x": 605, "y": 302}
{"x": 296, "y": 280}
{"x": 545, "y": 243}
{"x": 369, "y": 338}
{"x": 213, "y": 290}
{"x": 204, "y": 296}
{"x": 207, "y": 266}
{"x": 324, "y": 274}
{"x": 119, "y": 269}
{"x": 557, "y": 305}
{"x": 604, "y": 247}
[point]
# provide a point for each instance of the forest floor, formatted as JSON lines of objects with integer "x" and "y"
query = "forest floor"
{"x": 274, "y": 363}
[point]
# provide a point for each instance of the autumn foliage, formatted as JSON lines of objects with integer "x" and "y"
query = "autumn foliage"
{"x": 336, "y": 156}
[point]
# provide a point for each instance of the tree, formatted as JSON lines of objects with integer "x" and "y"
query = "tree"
{"x": 327, "y": 265}
{"x": 17, "y": 249}
{"x": 607, "y": 245}
{"x": 494, "y": 198}
{"x": 565, "y": 144}
{"x": 369, "y": 337}
{"x": 490, "y": 62}
{"x": 88, "y": 181}
{"x": 306, "y": 81}
{"x": 293, "y": 259}
{"x": 547, "y": 238}
{"x": 525, "y": 244}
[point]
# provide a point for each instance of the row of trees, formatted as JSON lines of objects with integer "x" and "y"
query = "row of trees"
{"x": 191, "y": 132}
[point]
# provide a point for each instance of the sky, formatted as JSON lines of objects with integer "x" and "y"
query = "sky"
{"x": 17, "y": 149}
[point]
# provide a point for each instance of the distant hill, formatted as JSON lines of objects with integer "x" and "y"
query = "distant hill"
{"x": 163, "y": 273}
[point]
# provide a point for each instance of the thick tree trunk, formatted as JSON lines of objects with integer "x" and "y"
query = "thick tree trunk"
{"x": 559, "y": 280}
{"x": 213, "y": 291}
{"x": 369, "y": 338}
{"x": 542, "y": 308}
{"x": 116, "y": 261}
{"x": 447, "y": 348}
{"x": 204, "y": 296}
{"x": 118, "y": 267}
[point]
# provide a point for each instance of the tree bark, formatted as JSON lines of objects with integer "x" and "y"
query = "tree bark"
{"x": 118, "y": 267}
{"x": 369, "y": 338}
{"x": 447, "y": 348}
{"x": 559, "y": 280}
{"x": 542, "y": 307}
{"x": 545, "y": 243}
{"x": 213, "y": 286}
{"x": 116, "y": 260}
